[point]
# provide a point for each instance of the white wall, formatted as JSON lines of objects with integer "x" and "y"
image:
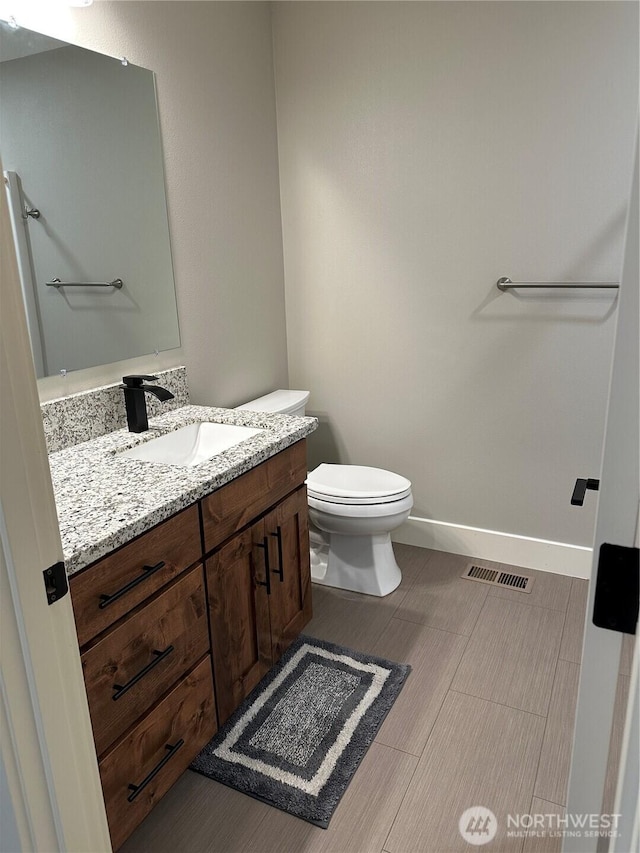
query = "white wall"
{"x": 213, "y": 63}
{"x": 426, "y": 149}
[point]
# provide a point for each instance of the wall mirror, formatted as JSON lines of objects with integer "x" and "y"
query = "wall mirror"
{"x": 83, "y": 170}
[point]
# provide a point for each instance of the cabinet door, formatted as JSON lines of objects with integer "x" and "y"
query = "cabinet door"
{"x": 287, "y": 531}
{"x": 239, "y": 617}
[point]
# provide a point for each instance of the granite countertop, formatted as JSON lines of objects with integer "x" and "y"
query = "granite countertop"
{"x": 104, "y": 500}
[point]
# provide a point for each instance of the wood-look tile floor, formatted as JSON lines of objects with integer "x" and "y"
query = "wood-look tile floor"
{"x": 485, "y": 718}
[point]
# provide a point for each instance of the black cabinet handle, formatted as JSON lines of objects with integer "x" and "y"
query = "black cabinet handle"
{"x": 580, "y": 488}
{"x": 280, "y": 570}
{"x": 136, "y": 789}
{"x": 121, "y": 689}
{"x": 267, "y": 569}
{"x": 147, "y": 571}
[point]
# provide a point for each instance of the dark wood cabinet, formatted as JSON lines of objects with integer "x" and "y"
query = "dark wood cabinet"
{"x": 112, "y": 587}
{"x": 132, "y": 666}
{"x": 145, "y": 763}
{"x": 177, "y": 626}
{"x": 239, "y": 618}
{"x": 259, "y": 589}
{"x": 248, "y": 497}
{"x": 287, "y": 533}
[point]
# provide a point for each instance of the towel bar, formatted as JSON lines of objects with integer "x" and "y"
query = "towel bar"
{"x": 55, "y": 282}
{"x": 505, "y": 283}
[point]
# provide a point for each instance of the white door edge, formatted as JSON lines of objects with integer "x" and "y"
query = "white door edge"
{"x": 628, "y": 785}
{"x": 615, "y": 524}
{"x": 48, "y": 750}
{"x": 30, "y": 783}
{"x": 626, "y": 802}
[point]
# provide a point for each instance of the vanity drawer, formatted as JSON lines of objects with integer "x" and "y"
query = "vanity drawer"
{"x": 132, "y": 666}
{"x": 242, "y": 500}
{"x": 165, "y": 741}
{"x": 110, "y": 588}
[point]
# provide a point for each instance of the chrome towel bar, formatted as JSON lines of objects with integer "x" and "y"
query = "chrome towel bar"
{"x": 505, "y": 283}
{"x": 55, "y": 282}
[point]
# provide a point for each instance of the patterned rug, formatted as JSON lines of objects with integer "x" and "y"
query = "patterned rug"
{"x": 298, "y": 738}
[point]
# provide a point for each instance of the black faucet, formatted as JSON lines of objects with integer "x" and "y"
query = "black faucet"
{"x": 135, "y": 403}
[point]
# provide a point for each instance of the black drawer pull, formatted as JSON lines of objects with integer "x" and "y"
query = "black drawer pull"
{"x": 580, "y": 488}
{"x": 136, "y": 789}
{"x": 280, "y": 570}
{"x": 147, "y": 571}
{"x": 159, "y": 656}
{"x": 267, "y": 569}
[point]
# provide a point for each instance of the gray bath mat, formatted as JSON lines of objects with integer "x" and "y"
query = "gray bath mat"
{"x": 298, "y": 738}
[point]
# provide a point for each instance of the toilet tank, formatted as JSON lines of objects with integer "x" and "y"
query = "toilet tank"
{"x": 279, "y": 402}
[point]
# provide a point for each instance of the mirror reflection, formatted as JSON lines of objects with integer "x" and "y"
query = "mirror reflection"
{"x": 82, "y": 159}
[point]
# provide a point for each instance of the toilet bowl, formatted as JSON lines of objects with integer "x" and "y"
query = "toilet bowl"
{"x": 356, "y": 507}
{"x": 352, "y": 511}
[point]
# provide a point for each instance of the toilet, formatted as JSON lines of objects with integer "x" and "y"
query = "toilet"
{"x": 352, "y": 510}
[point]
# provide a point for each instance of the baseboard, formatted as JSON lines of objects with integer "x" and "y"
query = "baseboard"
{"x": 524, "y": 551}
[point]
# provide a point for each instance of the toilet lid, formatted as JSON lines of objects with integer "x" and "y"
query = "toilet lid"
{"x": 353, "y": 484}
{"x": 280, "y": 402}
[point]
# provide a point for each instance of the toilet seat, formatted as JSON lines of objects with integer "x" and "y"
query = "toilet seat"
{"x": 356, "y": 485}
{"x": 342, "y": 501}
{"x": 372, "y": 509}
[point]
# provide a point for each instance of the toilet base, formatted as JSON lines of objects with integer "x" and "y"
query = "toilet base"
{"x": 364, "y": 564}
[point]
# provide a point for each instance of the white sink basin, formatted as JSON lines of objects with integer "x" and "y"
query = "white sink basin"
{"x": 192, "y": 444}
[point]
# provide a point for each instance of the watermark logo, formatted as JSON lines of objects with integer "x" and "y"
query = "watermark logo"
{"x": 554, "y": 825}
{"x": 478, "y": 825}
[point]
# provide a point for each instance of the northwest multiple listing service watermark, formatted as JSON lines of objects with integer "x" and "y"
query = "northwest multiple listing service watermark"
{"x": 478, "y": 825}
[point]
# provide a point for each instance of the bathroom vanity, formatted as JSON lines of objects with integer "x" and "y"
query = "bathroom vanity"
{"x": 179, "y": 621}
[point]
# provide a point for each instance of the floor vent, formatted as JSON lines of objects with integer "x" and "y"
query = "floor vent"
{"x": 483, "y": 574}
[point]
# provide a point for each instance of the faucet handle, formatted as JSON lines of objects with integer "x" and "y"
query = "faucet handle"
{"x": 136, "y": 381}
